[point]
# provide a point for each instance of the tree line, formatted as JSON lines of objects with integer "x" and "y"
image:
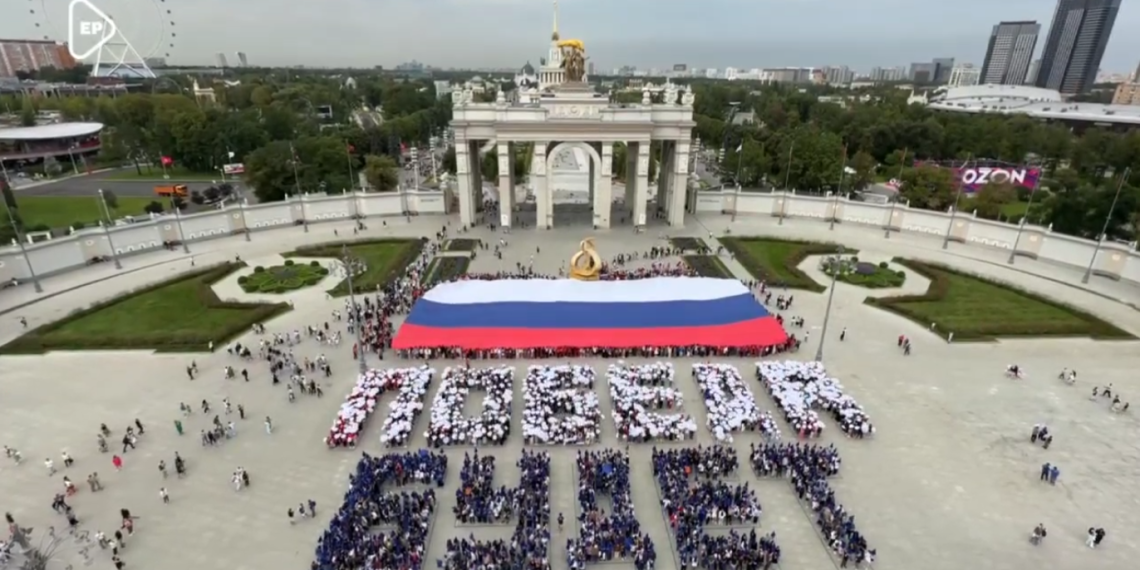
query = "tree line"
{"x": 803, "y": 138}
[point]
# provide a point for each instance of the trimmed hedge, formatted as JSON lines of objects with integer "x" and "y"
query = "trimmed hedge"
{"x": 381, "y": 265}
{"x": 463, "y": 244}
{"x": 869, "y": 275}
{"x": 446, "y": 269}
{"x": 779, "y": 265}
{"x": 708, "y": 266}
{"x": 688, "y": 244}
{"x": 180, "y": 336}
{"x": 980, "y": 309}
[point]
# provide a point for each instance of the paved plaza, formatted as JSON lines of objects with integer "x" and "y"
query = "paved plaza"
{"x": 948, "y": 482}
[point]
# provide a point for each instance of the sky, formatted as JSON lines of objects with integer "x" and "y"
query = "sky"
{"x": 508, "y": 33}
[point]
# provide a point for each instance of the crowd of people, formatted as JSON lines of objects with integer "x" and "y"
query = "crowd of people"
{"x": 639, "y": 394}
{"x": 351, "y": 541}
{"x": 411, "y": 384}
{"x": 808, "y": 467}
{"x": 730, "y": 403}
{"x": 693, "y": 499}
{"x": 799, "y": 388}
{"x": 560, "y": 406}
{"x": 478, "y": 501}
{"x": 527, "y": 549}
{"x": 612, "y": 536}
{"x": 449, "y": 426}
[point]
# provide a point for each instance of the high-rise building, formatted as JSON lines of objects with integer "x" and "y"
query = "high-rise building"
{"x": 221, "y": 57}
{"x": 1010, "y": 52}
{"x": 1034, "y": 70}
{"x": 242, "y": 59}
{"x": 1075, "y": 45}
{"x": 943, "y": 66}
{"x": 32, "y": 55}
{"x": 1136, "y": 74}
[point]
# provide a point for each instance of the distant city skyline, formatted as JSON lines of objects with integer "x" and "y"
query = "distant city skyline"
{"x": 443, "y": 33}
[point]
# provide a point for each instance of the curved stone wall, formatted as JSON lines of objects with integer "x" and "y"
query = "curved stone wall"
{"x": 77, "y": 250}
{"x": 1113, "y": 260}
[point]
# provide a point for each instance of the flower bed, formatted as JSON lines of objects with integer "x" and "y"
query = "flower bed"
{"x": 688, "y": 244}
{"x": 708, "y": 266}
{"x": 463, "y": 244}
{"x": 861, "y": 273}
{"x": 283, "y": 278}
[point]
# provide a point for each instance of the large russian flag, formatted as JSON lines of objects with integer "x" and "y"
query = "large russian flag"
{"x": 534, "y": 313}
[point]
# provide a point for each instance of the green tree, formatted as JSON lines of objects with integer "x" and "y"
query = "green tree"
{"x": 28, "y": 112}
{"x": 928, "y": 187}
{"x": 991, "y": 198}
{"x": 382, "y": 173}
{"x": 864, "y": 166}
{"x": 110, "y": 199}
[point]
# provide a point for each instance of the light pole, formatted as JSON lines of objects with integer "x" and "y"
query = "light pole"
{"x": 732, "y": 107}
{"x": 20, "y": 241}
{"x": 107, "y": 230}
{"x": 241, "y": 208}
{"x": 1021, "y": 226}
{"x": 830, "y": 298}
{"x": 1107, "y": 220}
{"x": 957, "y": 198}
{"x": 787, "y": 180}
{"x": 835, "y": 200}
{"x": 71, "y": 154}
{"x": 297, "y": 184}
{"x": 898, "y": 194}
{"x": 178, "y": 218}
{"x": 350, "y": 265}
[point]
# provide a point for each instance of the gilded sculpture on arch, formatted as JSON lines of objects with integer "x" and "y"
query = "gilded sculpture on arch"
{"x": 573, "y": 60}
{"x": 586, "y": 265}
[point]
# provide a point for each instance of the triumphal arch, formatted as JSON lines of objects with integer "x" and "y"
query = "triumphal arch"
{"x": 571, "y": 115}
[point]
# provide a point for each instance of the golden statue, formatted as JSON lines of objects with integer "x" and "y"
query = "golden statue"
{"x": 586, "y": 265}
{"x": 573, "y": 60}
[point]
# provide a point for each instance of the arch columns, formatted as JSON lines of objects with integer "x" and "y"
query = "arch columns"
{"x": 603, "y": 192}
{"x": 678, "y": 182}
{"x": 506, "y": 183}
{"x": 464, "y": 179}
{"x": 544, "y": 206}
{"x": 641, "y": 187}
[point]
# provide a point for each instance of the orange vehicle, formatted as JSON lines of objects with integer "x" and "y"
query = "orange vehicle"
{"x": 173, "y": 191}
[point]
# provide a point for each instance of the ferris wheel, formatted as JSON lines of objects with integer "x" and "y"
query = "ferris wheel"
{"x": 143, "y": 29}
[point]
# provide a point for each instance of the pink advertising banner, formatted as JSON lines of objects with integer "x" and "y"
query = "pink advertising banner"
{"x": 974, "y": 177}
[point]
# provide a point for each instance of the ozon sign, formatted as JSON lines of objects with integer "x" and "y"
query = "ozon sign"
{"x": 974, "y": 178}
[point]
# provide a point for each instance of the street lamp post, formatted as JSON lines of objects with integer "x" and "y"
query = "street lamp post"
{"x": 954, "y": 212}
{"x": 20, "y": 241}
{"x": 71, "y": 154}
{"x": 178, "y": 218}
{"x": 830, "y": 298}
{"x": 1021, "y": 225}
{"x": 1107, "y": 220}
{"x": 241, "y": 208}
{"x": 895, "y": 201}
{"x": 107, "y": 230}
{"x": 787, "y": 180}
{"x": 350, "y": 268}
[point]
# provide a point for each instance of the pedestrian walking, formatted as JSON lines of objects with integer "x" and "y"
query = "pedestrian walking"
{"x": 164, "y": 495}
{"x": 117, "y": 462}
{"x": 241, "y": 411}
{"x": 268, "y": 425}
{"x": 51, "y": 465}
{"x": 178, "y": 426}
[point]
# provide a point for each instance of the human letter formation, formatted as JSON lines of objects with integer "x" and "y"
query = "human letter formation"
{"x": 695, "y": 500}
{"x": 528, "y": 504}
{"x": 639, "y": 394}
{"x": 491, "y": 427}
{"x": 808, "y": 468}
{"x": 602, "y": 537}
{"x": 714, "y": 522}
{"x": 411, "y": 384}
{"x": 560, "y": 406}
{"x": 730, "y": 403}
{"x": 800, "y": 388}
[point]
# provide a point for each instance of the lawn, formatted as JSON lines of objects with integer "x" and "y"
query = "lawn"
{"x": 463, "y": 244}
{"x": 446, "y": 269}
{"x": 978, "y": 309}
{"x": 688, "y": 244}
{"x": 384, "y": 260}
{"x": 182, "y": 314}
{"x": 283, "y": 278}
{"x": 177, "y": 174}
{"x": 864, "y": 274}
{"x": 776, "y": 261}
{"x": 64, "y": 211}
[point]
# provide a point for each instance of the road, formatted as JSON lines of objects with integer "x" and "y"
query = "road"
{"x": 89, "y": 185}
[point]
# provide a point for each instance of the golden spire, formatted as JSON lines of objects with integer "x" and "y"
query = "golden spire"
{"x": 554, "y": 36}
